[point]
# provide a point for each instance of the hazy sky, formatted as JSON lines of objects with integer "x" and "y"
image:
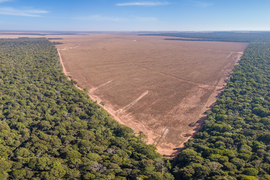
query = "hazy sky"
{"x": 129, "y": 15}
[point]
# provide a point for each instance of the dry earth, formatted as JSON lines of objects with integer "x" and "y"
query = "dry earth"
{"x": 149, "y": 84}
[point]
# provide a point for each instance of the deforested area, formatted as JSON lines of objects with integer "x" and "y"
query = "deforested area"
{"x": 234, "y": 142}
{"x": 149, "y": 84}
{"x": 135, "y": 90}
{"x": 51, "y": 130}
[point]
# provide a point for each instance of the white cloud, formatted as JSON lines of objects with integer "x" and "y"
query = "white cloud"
{"x": 1, "y": 1}
{"x": 23, "y": 12}
{"x": 144, "y": 3}
{"x": 202, "y": 4}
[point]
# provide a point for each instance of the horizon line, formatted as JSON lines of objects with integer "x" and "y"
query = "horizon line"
{"x": 132, "y": 31}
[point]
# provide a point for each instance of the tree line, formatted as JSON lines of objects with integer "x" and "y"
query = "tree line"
{"x": 255, "y": 36}
{"x": 234, "y": 142}
{"x": 51, "y": 130}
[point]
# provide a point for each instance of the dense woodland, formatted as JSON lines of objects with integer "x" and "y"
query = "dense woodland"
{"x": 234, "y": 142}
{"x": 51, "y": 130}
{"x": 216, "y": 36}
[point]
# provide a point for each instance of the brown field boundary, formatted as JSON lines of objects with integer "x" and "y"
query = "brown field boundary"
{"x": 93, "y": 97}
{"x": 159, "y": 87}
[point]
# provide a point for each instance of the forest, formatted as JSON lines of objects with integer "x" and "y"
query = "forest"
{"x": 232, "y": 36}
{"x": 51, "y": 130}
{"x": 234, "y": 142}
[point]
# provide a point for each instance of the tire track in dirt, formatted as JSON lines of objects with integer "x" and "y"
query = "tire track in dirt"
{"x": 229, "y": 55}
{"x": 163, "y": 134}
{"x": 91, "y": 91}
{"x": 127, "y": 107}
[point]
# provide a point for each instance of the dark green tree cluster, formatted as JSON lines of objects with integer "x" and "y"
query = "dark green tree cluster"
{"x": 56, "y": 43}
{"x": 217, "y": 36}
{"x": 234, "y": 142}
{"x": 51, "y": 130}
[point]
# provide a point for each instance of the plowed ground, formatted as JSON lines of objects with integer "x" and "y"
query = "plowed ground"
{"x": 152, "y": 85}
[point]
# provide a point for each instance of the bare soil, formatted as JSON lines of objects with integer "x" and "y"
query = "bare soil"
{"x": 150, "y": 84}
{"x": 159, "y": 87}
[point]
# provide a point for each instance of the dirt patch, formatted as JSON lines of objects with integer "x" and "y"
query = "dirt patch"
{"x": 159, "y": 87}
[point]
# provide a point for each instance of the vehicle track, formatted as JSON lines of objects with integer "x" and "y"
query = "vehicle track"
{"x": 118, "y": 112}
{"x": 91, "y": 91}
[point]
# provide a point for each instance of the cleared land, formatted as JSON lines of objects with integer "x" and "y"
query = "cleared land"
{"x": 152, "y": 85}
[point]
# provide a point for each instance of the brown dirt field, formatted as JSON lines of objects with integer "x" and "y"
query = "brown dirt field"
{"x": 149, "y": 84}
{"x": 159, "y": 87}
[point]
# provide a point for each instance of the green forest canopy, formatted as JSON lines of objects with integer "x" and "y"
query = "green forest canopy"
{"x": 233, "y": 36}
{"x": 51, "y": 130}
{"x": 234, "y": 142}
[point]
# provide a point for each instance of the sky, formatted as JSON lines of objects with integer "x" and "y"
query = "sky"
{"x": 135, "y": 15}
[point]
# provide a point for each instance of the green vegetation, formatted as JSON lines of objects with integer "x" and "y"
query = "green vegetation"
{"x": 217, "y": 36}
{"x": 234, "y": 142}
{"x": 51, "y": 130}
{"x": 55, "y": 43}
{"x": 55, "y": 38}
